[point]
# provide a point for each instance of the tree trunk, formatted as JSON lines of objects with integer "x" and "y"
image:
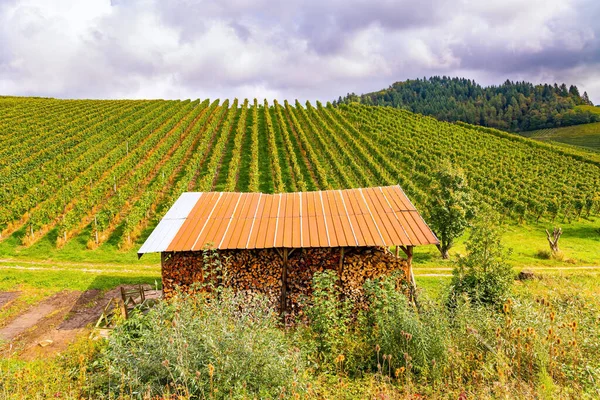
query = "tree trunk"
{"x": 444, "y": 251}
{"x": 553, "y": 239}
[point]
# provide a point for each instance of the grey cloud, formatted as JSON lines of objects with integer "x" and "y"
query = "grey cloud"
{"x": 294, "y": 49}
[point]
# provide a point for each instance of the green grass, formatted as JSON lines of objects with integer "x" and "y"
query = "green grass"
{"x": 246, "y": 156}
{"x": 580, "y": 245}
{"x": 264, "y": 158}
{"x": 284, "y": 160}
{"x": 75, "y": 250}
{"x": 585, "y": 135}
{"x": 227, "y": 156}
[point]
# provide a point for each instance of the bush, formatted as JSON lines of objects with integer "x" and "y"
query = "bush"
{"x": 222, "y": 346}
{"x": 544, "y": 254}
{"x": 330, "y": 341}
{"x": 411, "y": 341}
{"x": 483, "y": 275}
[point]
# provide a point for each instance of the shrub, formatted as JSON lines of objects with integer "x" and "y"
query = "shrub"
{"x": 330, "y": 340}
{"x": 221, "y": 346}
{"x": 414, "y": 342}
{"x": 544, "y": 254}
{"x": 483, "y": 275}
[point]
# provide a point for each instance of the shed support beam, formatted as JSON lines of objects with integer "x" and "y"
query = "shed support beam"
{"x": 408, "y": 250}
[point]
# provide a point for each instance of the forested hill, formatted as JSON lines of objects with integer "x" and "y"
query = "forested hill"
{"x": 512, "y": 106}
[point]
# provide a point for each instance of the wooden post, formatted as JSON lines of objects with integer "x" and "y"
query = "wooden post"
{"x": 410, "y": 276}
{"x": 282, "y": 304}
{"x": 409, "y": 257}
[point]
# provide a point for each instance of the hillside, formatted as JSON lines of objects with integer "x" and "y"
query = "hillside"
{"x": 586, "y": 135}
{"x": 101, "y": 172}
{"x": 512, "y": 106}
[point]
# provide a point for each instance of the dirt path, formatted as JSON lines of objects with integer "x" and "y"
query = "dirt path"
{"x": 55, "y": 322}
{"x": 7, "y": 297}
{"x": 25, "y": 321}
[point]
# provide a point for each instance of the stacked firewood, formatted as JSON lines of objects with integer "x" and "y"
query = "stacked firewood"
{"x": 261, "y": 271}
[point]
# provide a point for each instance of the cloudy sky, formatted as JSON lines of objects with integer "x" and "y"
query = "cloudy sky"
{"x": 289, "y": 49}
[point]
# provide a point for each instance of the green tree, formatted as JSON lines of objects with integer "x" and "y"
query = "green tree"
{"x": 483, "y": 275}
{"x": 450, "y": 207}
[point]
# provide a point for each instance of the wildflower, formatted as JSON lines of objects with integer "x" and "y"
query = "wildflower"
{"x": 552, "y": 316}
{"x": 518, "y": 332}
{"x": 198, "y": 374}
{"x": 211, "y": 370}
{"x": 165, "y": 363}
{"x": 498, "y": 330}
{"x": 558, "y": 341}
{"x": 377, "y": 348}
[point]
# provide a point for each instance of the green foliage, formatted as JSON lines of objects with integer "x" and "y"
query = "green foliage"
{"x": 395, "y": 330}
{"x": 220, "y": 347}
{"x": 331, "y": 339}
{"x": 450, "y": 206}
{"x": 512, "y": 106}
{"x": 543, "y": 343}
{"x": 584, "y": 135}
{"x": 483, "y": 275}
{"x": 101, "y": 173}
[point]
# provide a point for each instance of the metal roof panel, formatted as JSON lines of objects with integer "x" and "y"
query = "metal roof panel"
{"x": 381, "y": 216}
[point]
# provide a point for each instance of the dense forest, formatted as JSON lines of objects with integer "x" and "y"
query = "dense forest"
{"x": 512, "y": 106}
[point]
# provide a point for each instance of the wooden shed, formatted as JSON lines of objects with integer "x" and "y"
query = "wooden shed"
{"x": 274, "y": 243}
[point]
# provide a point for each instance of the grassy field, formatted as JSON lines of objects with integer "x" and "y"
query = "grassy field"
{"x": 583, "y": 136}
{"x": 580, "y": 245}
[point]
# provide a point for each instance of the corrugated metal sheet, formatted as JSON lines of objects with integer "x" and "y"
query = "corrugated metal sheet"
{"x": 167, "y": 228}
{"x": 381, "y": 216}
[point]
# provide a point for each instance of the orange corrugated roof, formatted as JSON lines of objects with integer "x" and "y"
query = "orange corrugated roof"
{"x": 380, "y": 216}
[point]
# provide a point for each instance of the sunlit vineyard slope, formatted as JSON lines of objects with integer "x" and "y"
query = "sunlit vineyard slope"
{"x": 105, "y": 170}
{"x": 585, "y": 135}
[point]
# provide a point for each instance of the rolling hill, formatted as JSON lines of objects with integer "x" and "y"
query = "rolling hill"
{"x": 512, "y": 106}
{"x": 586, "y": 135}
{"x": 100, "y": 173}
